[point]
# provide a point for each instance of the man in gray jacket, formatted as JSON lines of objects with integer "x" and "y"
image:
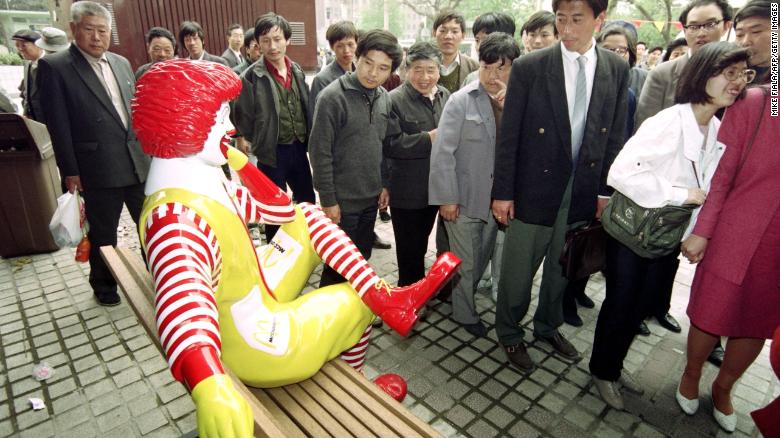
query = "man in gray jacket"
{"x": 271, "y": 112}
{"x": 461, "y": 175}
{"x": 350, "y": 123}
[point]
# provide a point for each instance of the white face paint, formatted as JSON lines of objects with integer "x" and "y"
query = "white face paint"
{"x": 211, "y": 153}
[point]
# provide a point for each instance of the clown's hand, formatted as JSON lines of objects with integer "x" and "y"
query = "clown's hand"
{"x": 222, "y": 411}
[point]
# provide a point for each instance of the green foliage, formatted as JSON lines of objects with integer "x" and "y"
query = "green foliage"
{"x": 374, "y": 17}
{"x": 10, "y": 59}
{"x": 26, "y": 5}
{"x": 650, "y": 10}
{"x": 519, "y": 10}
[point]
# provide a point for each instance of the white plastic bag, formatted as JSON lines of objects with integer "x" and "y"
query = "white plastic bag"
{"x": 65, "y": 225}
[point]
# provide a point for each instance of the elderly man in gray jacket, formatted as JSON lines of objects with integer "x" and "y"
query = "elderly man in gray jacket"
{"x": 461, "y": 177}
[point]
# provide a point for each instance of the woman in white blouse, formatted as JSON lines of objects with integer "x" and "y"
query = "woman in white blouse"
{"x": 669, "y": 161}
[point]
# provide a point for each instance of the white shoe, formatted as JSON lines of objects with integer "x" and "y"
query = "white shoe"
{"x": 726, "y": 422}
{"x": 688, "y": 406}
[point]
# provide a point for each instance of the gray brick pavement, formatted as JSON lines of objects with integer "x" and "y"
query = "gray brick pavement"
{"x": 110, "y": 380}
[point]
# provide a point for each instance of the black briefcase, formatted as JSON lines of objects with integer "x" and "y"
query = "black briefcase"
{"x": 584, "y": 252}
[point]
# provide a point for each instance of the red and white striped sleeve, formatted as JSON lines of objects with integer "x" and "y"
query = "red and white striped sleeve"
{"x": 254, "y": 210}
{"x": 185, "y": 262}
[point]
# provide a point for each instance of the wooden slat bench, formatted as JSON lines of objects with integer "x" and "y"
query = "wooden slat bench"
{"x": 337, "y": 401}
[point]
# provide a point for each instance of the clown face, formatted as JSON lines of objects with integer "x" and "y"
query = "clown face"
{"x": 211, "y": 153}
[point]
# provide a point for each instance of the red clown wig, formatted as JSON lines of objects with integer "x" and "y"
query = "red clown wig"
{"x": 175, "y": 105}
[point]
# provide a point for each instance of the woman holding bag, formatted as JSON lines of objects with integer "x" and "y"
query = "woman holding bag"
{"x": 736, "y": 289}
{"x": 669, "y": 162}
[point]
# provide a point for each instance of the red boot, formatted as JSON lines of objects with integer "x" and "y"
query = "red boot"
{"x": 393, "y": 385}
{"x": 398, "y": 306}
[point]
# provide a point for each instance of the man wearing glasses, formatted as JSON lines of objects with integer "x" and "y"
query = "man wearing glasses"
{"x": 704, "y": 21}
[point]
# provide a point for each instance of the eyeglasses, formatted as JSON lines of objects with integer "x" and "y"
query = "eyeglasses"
{"x": 732, "y": 74}
{"x": 706, "y": 27}
{"x": 619, "y": 50}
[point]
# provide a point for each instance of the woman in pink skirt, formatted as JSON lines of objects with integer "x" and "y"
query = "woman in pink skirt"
{"x": 736, "y": 290}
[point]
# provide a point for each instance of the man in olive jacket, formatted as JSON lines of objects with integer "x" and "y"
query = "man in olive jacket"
{"x": 271, "y": 113}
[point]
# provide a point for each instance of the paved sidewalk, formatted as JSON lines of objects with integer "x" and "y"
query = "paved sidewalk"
{"x": 110, "y": 380}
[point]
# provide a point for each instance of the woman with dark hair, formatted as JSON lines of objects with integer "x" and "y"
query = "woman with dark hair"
{"x": 675, "y": 49}
{"x": 670, "y": 161}
{"x": 737, "y": 240}
{"x": 617, "y": 39}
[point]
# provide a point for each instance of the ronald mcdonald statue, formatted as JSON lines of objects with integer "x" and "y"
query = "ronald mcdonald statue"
{"x": 218, "y": 299}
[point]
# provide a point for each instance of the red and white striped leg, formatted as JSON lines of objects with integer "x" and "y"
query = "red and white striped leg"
{"x": 396, "y": 306}
{"x": 337, "y": 250}
{"x": 356, "y": 356}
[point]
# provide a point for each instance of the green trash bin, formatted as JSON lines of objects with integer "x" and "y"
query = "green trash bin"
{"x": 29, "y": 186}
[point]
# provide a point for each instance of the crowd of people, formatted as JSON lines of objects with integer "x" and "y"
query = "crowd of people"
{"x": 501, "y": 155}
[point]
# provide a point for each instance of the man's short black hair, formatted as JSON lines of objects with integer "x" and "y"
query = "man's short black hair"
{"x": 706, "y": 63}
{"x": 189, "y": 28}
{"x": 679, "y": 42}
{"x": 160, "y": 32}
{"x": 498, "y": 46}
{"x": 597, "y": 6}
{"x": 617, "y": 29}
{"x": 490, "y": 22}
{"x": 266, "y": 22}
{"x": 659, "y": 48}
{"x": 723, "y": 5}
{"x": 753, "y": 8}
{"x": 448, "y": 15}
{"x": 538, "y": 20}
{"x": 249, "y": 36}
{"x": 233, "y": 27}
{"x": 339, "y": 31}
{"x": 382, "y": 41}
{"x": 642, "y": 43}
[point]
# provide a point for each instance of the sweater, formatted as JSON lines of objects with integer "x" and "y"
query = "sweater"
{"x": 345, "y": 145}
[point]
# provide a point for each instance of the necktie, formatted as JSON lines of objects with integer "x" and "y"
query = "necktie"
{"x": 579, "y": 113}
{"x": 108, "y": 80}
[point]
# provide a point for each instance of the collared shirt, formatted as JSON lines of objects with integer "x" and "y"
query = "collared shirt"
{"x": 570, "y": 69}
{"x": 105, "y": 75}
{"x": 238, "y": 54}
{"x": 445, "y": 70}
{"x": 285, "y": 81}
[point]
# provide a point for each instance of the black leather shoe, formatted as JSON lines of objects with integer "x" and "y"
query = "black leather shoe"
{"x": 381, "y": 244}
{"x": 668, "y": 322}
{"x": 445, "y": 293}
{"x": 518, "y": 356}
{"x": 572, "y": 319}
{"x": 561, "y": 346}
{"x": 107, "y": 299}
{"x": 584, "y": 301}
{"x": 384, "y": 216}
{"x": 716, "y": 355}
{"x": 643, "y": 329}
{"x": 477, "y": 329}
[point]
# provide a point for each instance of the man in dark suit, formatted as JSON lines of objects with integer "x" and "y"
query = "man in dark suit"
{"x": 88, "y": 92}
{"x": 160, "y": 45}
{"x": 563, "y": 125}
{"x": 191, "y": 37}
{"x": 235, "y": 38}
